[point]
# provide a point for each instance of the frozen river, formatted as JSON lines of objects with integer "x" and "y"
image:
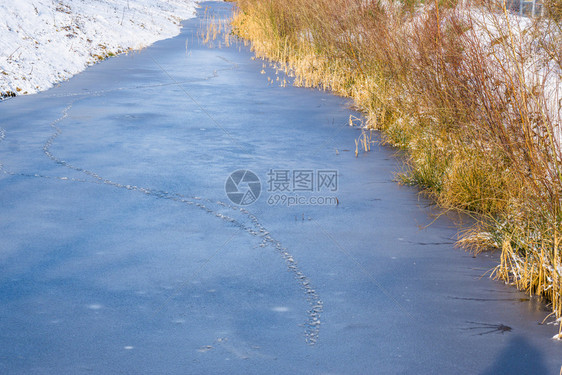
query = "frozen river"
{"x": 130, "y": 244}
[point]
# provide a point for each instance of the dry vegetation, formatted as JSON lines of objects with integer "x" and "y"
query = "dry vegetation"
{"x": 471, "y": 92}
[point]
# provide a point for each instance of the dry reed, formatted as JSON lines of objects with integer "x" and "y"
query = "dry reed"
{"x": 470, "y": 91}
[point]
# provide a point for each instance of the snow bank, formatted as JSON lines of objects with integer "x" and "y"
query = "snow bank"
{"x": 43, "y": 42}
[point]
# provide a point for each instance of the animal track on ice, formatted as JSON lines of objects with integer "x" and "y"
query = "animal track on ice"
{"x": 212, "y": 207}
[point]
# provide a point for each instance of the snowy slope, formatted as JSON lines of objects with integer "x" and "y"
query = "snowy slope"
{"x": 43, "y": 42}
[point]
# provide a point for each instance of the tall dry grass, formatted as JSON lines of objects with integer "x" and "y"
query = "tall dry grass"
{"x": 470, "y": 91}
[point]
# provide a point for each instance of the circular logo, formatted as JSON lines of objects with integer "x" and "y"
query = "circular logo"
{"x": 243, "y": 187}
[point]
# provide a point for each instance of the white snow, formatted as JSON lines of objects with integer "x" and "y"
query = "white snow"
{"x": 280, "y": 309}
{"x": 43, "y": 42}
{"x": 540, "y": 70}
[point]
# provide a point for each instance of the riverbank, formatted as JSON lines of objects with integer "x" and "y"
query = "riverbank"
{"x": 45, "y": 42}
{"x": 472, "y": 93}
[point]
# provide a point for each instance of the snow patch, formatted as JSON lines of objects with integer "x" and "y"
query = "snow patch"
{"x": 48, "y": 41}
{"x": 280, "y": 309}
